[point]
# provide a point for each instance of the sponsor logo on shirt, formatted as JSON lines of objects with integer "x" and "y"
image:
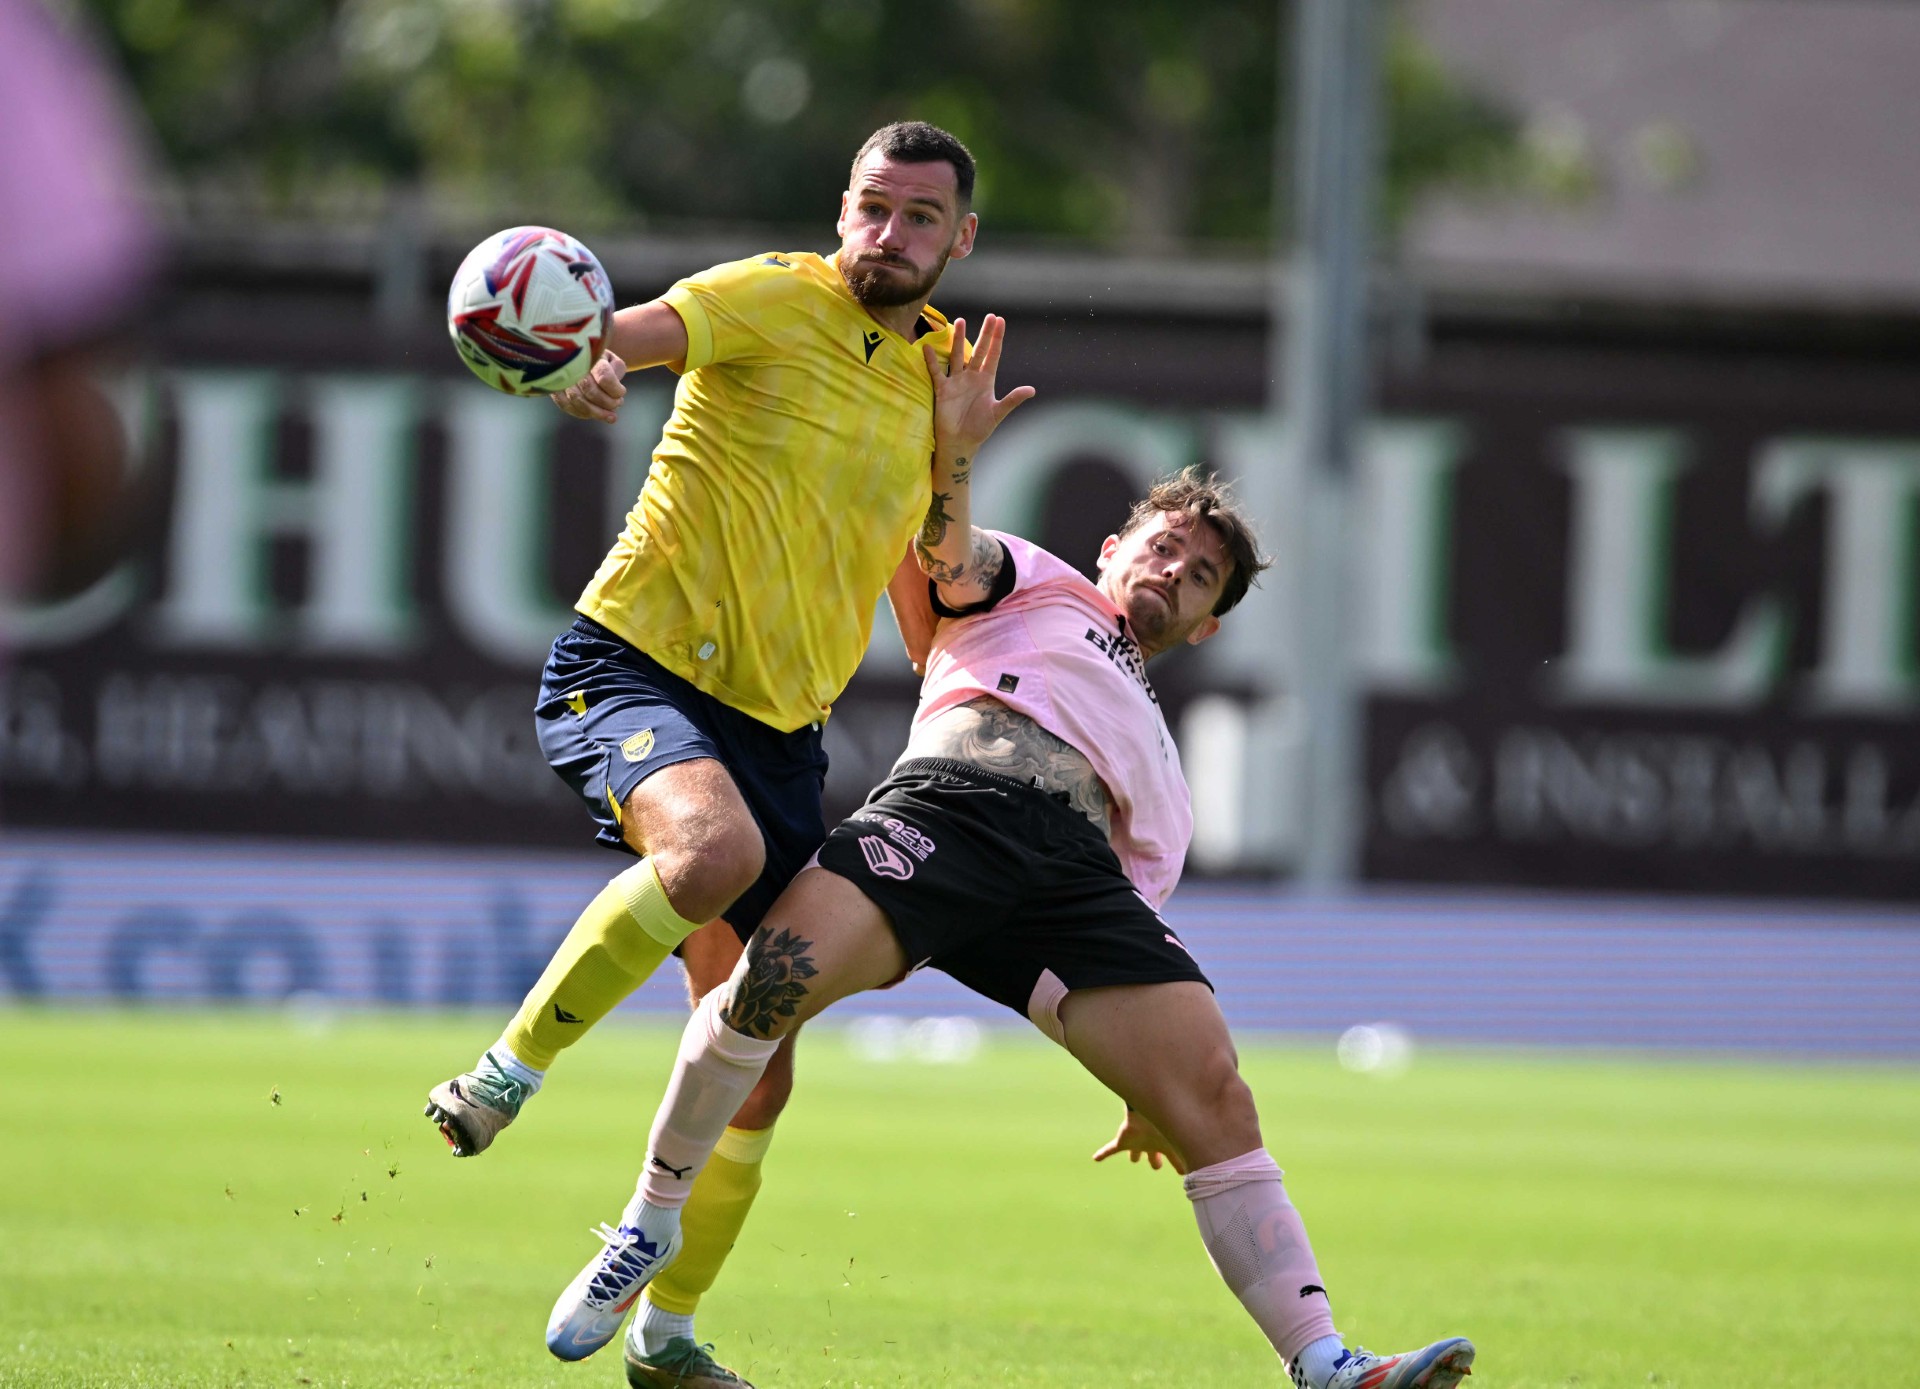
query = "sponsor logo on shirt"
{"x": 1118, "y": 647}
{"x": 885, "y": 860}
{"x": 900, "y": 832}
{"x": 873, "y": 340}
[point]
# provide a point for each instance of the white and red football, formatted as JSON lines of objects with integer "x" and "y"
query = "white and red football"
{"x": 529, "y": 310}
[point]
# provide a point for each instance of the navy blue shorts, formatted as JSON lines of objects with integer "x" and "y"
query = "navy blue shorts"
{"x": 610, "y": 716}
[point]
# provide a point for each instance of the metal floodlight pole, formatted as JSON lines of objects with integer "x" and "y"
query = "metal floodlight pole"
{"x": 1320, "y": 334}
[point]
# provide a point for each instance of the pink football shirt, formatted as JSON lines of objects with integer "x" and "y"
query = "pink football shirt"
{"x": 1056, "y": 650}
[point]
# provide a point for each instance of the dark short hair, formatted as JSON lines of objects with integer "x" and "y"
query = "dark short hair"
{"x": 916, "y": 142}
{"x": 1201, "y": 496}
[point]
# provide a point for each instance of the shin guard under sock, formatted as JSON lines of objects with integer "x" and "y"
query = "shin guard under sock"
{"x": 1259, "y": 1246}
{"x": 617, "y": 942}
{"x": 715, "y": 1072}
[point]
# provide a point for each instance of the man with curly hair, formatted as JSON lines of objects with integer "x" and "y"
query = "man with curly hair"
{"x": 1024, "y": 844}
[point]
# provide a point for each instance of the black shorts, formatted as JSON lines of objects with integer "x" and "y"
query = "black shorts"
{"x": 1003, "y": 886}
{"x": 610, "y": 716}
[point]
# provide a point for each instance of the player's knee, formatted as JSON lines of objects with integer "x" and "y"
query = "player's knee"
{"x": 706, "y": 870}
{"x": 768, "y": 998}
{"x": 1226, "y": 1100}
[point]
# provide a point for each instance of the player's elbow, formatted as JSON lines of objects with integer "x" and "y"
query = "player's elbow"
{"x": 945, "y": 563}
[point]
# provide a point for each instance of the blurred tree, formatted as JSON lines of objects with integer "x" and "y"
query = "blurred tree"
{"x": 1144, "y": 126}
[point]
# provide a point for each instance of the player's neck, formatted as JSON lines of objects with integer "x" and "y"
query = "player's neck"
{"x": 1147, "y": 649}
{"x": 899, "y": 317}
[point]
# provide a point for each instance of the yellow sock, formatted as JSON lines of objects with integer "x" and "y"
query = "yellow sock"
{"x": 619, "y": 940}
{"x": 716, "y": 1209}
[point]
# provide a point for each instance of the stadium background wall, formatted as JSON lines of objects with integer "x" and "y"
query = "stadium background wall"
{"x": 1638, "y": 586}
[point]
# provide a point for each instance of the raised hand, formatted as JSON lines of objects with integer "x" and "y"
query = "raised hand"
{"x": 597, "y": 395}
{"x": 965, "y": 409}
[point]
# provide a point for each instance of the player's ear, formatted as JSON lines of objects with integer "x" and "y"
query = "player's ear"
{"x": 840, "y": 224}
{"x": 963, "y": 242}
{"x": 1204, "y": 630}
{"x": 1107, "y": 547}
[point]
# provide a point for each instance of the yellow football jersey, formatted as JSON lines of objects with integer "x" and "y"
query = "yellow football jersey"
{"x": 793, "y": 472}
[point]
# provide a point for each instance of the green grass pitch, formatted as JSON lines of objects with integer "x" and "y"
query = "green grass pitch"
{"x": 249, "y": 1200}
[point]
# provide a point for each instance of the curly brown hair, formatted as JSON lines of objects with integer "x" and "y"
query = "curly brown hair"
{"x": 1201, "y": 496}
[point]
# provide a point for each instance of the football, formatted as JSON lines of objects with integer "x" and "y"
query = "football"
{"x": 529, "y": 310}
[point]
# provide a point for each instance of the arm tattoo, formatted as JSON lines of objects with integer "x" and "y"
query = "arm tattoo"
{"x": 985, "y": 561}
{"x": 771, "y": 988}
{"x": 933, "y": 530}
{"x": 989, "y": 735}
{"x": 941, "y": 573}
{"x": 979, "y": 569}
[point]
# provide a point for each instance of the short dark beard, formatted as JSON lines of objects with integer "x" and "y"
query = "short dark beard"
{"x": 872, "y": 287}
{"x": 1152, "y": 635}
{"x": 1147, "y": 635}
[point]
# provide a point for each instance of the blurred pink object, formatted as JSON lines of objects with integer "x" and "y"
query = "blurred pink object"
{"x": 79, "y": 250}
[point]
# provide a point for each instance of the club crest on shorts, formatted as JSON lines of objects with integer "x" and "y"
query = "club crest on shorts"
{"x": 900, "y": 832}
{"x": 885, "y": 860}
{"x": 636, "y": 748}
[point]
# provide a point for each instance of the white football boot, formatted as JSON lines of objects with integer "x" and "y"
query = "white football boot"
{"x": 1441, "y": 1365}
{"x": 589, "y": 1313}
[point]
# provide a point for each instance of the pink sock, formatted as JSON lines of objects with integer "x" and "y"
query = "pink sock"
{"x": 716, "y": 1071}
{"x": 1259, "y": 1247}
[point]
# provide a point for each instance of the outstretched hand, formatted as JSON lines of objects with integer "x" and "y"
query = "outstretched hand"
{"x": 597, "y": 395}
{"x": 1138, "y": 1138}
{"x": 965, "y": 409}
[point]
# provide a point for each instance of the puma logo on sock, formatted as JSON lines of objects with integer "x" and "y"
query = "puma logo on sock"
{"x": 1311, "y": 1289}
{"x": 679, "y": 1173}
{"x": 562, "y": 1015}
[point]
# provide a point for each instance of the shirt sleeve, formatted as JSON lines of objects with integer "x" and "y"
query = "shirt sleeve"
{"x": 729, "y": 310}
